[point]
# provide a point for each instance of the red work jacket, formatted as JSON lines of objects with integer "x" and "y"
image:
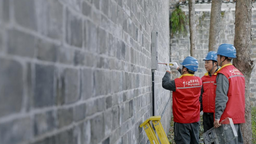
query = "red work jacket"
{"x": 208, "y": 97}
{"x": 235, "y": 107}
{"x": 186, "y": 105}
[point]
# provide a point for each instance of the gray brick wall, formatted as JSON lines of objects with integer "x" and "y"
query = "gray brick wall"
{"x": 180, "y": 45}
{"x": 79, "y": 71}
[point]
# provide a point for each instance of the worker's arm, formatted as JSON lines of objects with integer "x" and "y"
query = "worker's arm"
{"x": 167, "y": 83}
{"x": 221, "y": 96}
{"x": 201, "y": 99}
{"x": 179, "y": 70}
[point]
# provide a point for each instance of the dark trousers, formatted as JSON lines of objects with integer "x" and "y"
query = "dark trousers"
{"x": 186, "y": 133}
{"x": 207, "y": 121}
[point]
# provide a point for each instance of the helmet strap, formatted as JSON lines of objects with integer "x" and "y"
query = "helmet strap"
{"x": 213, "y": 67}
{"x": 223, "y": 60}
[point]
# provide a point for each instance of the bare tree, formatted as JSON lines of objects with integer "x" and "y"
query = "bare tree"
{"x": 192, "y": 27}
{"x": 243, "y": 62}
{"x": 215, "y": 25}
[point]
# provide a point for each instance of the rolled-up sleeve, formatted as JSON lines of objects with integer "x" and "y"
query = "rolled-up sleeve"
{"x": 167, "y": 83}
{"x": 221, "y": 95}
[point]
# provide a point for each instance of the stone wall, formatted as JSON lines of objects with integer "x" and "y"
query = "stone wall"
{"x": 180, "y": 45}
{"x": 79, "y": 71}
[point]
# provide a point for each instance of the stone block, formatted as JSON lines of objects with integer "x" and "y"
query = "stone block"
{"x": 106, "y": 141}
{"x": 79, "y": 112}
{"x": 60, "y": 89}
{"x": 131, "y": 108}
{"x": 65, "y": 137}
{"x": 44, "y": 86}
{"x": 101, "y": 104}
{"x": 120, "y": 2}
{"x": 112, "y": 45}
{"x": 11, "y": 87}
{"x": 115, "y": 99}
{"x": 91, "y": 108}
{"x": 25, "y": 14}
{"x": 74, "y": 33}
{"x": 45, "y": 122}
{"x": 47, "y": 51}
{"x": 74, "y": 4}
{"x": 1, "y": 39}
{"x": 92, "y": 37}
{"x": 71, "y": 85}
{"x": 123, "y": 50}
{"x": 113, "y": 11}
{"x": 99, "y": 82}
{"x": 118, "y": 50}
{"x": 90, "y": 60}
{"x": 125, "y": 139}
{"x": 87, "y": 132}
{"x": 102, "y": 62}
{"x": 103, "y": 42}
{"x": 96, "y": 16}
{"x": 87, "y": 83}
{"x": 87, "y": 8}
{"x": 65, "y": 117}
{"x": 80, "y": 58}
{"x": 21, "y": 44}
{"x": 108, "y": 122}
{"x": 50, "y": 18}
{"x": 109, "y": 102}
{"x": 66, "y": 56}
{"x": 125, "y": 127}
{"x": 105, "y": 7}
{"x": 97, "y": 128}
{"x": 29, "y": 86}
{"x": 77, "y": 135}
{"x": 48, "y": 140}
{"x": 16, "y": 131}
{"x": 116, "y": 117}
{"x": 115, "y": 81}
{"x": 115, "y": 136}
{"x": 96, "y": 3}
{"x": 5, "y": 11}
{"x": 125, "y": 112}
{"x": 109, "y": 89}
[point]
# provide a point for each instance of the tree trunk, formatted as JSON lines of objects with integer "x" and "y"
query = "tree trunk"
{"x": 192, "y": 27}
{"x": 215, "y": 25}
{"x": 243, "y": 62}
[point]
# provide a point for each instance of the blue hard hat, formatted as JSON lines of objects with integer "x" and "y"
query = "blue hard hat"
{"x": 227, "y": 50}
{"x": 212, "y": 55}
{"x": 190, "y": 63}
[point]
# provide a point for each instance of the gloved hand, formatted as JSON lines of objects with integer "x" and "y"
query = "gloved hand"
{"x": 174, "y": 65}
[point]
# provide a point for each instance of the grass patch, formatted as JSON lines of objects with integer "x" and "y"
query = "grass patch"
{"x": 253, "y": 125}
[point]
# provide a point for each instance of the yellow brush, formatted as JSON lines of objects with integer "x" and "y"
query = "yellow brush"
{"x": 170, "y": 64}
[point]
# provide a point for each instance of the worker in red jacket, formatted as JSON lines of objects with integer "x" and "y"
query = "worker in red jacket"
{"x": 230, "y": 91}
{"x": 186, "y": 106}
{"x": 207, "y": 97}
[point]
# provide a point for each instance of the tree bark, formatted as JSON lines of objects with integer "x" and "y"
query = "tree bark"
{"x": 192, "y": 27}
{"x": 215, "y": 25}
{"x": 243, "y": 62}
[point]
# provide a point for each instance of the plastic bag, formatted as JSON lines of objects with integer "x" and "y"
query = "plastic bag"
{"x": 221, "y": 135}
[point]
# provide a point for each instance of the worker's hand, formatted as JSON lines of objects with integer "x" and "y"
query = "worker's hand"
{"x": 217, "y": 123}
{"x": 174, "y": 65}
